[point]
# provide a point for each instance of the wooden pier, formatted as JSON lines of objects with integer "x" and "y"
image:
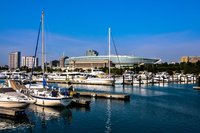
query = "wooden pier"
{"x": 103, "y": 95}
{"x": 16, "y": 86}
{"x": 12, "y": 112}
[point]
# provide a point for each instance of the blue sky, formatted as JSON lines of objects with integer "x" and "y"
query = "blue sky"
{"x": 166, "y": 29}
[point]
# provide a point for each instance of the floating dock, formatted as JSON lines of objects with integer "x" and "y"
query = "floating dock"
{"x": 196, "y": 87}
{"x": 103, "y": 95}
{"x": 12, "y": 112}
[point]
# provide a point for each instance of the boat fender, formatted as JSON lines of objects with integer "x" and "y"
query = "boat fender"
{"x": 109, "y": 96}
{"x": 93, "y": 95}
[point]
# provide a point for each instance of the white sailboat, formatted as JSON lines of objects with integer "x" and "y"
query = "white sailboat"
{"x": 99, "y": 77}
{"x": 46, "y": 98}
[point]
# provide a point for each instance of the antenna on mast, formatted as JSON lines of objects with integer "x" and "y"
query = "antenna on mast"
{"x": 63, "y": 54}
{"x": 43, "y": 57}
{"x": 109, "y": 30}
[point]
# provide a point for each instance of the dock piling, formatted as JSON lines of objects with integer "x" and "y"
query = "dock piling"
{"x": 139, "y": 80}
{"x": 132, "y": 80}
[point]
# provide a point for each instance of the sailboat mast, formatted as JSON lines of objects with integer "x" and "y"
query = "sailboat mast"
{"x": 109, "y": 30}
{"x": 43, "y": 67}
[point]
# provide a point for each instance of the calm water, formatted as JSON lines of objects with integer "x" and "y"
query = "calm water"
{"x": 167, "y": 109}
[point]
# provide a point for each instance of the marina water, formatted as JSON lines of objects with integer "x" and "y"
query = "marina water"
{"x": 166, "y": 108}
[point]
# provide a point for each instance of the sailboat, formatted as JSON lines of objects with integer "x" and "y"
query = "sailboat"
{"x": 44, "y": 97}
{"x": 98, "y": 77}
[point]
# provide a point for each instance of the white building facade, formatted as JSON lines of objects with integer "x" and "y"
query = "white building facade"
{"x": 29, "y": 61}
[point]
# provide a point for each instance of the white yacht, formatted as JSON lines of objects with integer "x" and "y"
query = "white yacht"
{"x": 98, "y": 77}
{"x": 58, "y": 76}
{"x": 99, "y": 81}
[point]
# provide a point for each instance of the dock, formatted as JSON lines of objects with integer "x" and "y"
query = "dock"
{"x": 103, "y": 95}
{"x": 14, "y": 85}
{"x": 12, "y": 112}
{"x": 196, "y": 87}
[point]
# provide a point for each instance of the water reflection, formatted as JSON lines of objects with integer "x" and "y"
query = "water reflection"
{"x": 141, "y": 90}
{"x": 48, "y": 113}
{"x": 90, "y": 87}
{"x": 15, "y": 123}
{"x": 81, "y": 109}
{"x": 108, "y": 116}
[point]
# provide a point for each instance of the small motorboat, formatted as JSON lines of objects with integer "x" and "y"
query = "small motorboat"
{"x": 14, "y": 100}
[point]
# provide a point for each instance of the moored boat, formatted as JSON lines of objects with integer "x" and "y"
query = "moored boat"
{"x": 46, "y": 98}
{"x": 10, "y": 101}
{"x": 99, "y": 81}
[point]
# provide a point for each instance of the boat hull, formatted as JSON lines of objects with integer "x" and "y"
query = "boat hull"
{"x": 13, "y": 104}
{"x": 99, "y": 81}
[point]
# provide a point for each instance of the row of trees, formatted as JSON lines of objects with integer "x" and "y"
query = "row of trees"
{"x": 186, "y": 68}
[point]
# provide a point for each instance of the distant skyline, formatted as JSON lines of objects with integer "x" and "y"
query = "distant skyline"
{"x": 166, "y": 29}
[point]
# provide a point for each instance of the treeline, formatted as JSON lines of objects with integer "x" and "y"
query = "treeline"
{"x": 185, "y": 68}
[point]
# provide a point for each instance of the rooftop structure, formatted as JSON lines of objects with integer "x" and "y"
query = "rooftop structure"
{"x": 91, "y": 52}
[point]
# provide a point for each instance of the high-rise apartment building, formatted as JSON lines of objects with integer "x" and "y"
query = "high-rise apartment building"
{"x": 14, "y": 60}
{"x": 28, "y": 61}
